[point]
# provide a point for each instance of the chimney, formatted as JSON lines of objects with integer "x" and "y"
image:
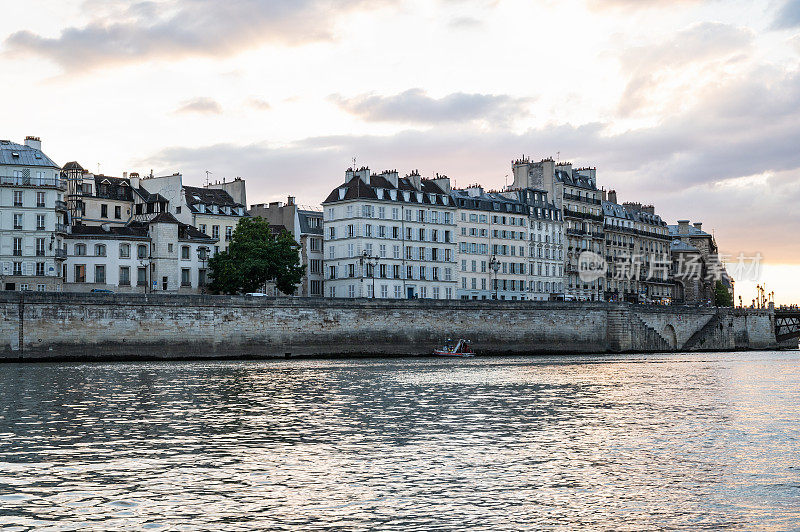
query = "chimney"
{"x": 612, "y": 196}
{"x": 698, "y": 226}
{"x": 683, "y": 227}
{"x": 124, "y": 175}
{"x": 290, "y": 200}
{"x": 134, "y": 180}
{"x": 33, "y": 142}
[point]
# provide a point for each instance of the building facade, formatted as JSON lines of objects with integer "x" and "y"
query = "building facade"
{"x": 390, "y": 237}
{"x": 305, "y": 225}
{"x": 574, "y": 192}
{"x": 162, "y": 255}
{"x": 508, "y": 245}
{"x": 32, "y": 218}
{"x": 696, "y": 264}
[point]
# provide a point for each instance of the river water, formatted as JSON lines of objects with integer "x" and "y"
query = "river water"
{"x": 624, "y": 442}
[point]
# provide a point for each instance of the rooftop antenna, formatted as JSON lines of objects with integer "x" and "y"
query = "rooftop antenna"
{"x": 98, "y": 168}
{"x": 354, "y": 162}
{"x": 207, "y": 179}
{"x": 558, "y": 156}
{"x": 506, "y": 180}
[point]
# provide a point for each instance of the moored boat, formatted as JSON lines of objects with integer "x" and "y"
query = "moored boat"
{"x": 462, "y": 348}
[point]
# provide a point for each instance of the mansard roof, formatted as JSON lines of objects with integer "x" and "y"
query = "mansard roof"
{"x": 356, "y": 188}
{"x": 209, "y": 196}
{"x": 575, "y": 179}
{"x": 14, "y": 154}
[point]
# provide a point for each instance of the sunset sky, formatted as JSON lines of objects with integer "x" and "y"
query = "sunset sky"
{"x": 691, "y": 105}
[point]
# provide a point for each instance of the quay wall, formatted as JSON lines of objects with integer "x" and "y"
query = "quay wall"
{"x": 39, "y": 326}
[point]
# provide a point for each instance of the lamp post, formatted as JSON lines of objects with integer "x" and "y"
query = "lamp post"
{"x": 494, "y": 264}
{"x": 202, "y": 255}
{"x": 374, "y": 263}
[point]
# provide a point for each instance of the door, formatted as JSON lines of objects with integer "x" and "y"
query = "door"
{"x": 410, "y": 292}
{"x": 164, "y": 282}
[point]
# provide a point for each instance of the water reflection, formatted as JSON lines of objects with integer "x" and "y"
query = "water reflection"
{"x": 689, "y": 441}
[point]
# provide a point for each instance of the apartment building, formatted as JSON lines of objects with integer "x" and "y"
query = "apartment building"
{"x": 387, "y": 236}
{"x": 32, "y": 218}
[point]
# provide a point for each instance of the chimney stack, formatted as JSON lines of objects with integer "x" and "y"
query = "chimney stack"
{"x": 612, "y": 196}
{"x": 290, "y": 200}
{"x": 698, "y": 226}
{"x": 33, "y": 142}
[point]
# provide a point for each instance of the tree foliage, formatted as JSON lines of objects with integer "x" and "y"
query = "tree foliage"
{"x": 722, "y": 297}
{"x": 254, "y": 257}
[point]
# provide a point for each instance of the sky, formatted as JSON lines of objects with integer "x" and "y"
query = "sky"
{"x": 691, "y": 105}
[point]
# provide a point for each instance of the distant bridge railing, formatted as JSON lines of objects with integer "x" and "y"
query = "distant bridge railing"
{"x": 787, "y": 324}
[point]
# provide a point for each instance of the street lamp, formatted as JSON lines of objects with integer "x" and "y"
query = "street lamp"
{"x": 494, "y": 264}
{"x": 202, "y": 255}
{"x": 371, "y": 262}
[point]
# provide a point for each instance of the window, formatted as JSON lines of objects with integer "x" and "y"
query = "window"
{"x": 17, "y": 221}
{"x": 41, "y": 287}
{"x": 316, "y": 288}
{"x": 185, "y": 252}
{"x": 80, "y": 250}
{"x": 40, "y": 199}
{"x": 141, "y": 276}
{"x": 118, "y": 212}
{"x": 228, "y": 233}
{"x": 40, "y": 268}
{"x": 315, "y": 244}
{"x": 17, "y": 268}
{"x": 124, "y": 251}
{"x": 17, "y": 198}
{"x": 103, "y": 211}
{"x": 124, "y": 276}
{"x": 17, "y": 247}
{"x": 80, "y": 273}
{"x": 203, "y": 229}
{"x": 100, "y": 273}
{"x": 170, "y": 247}
{"x": 186, "y": 278}
{"x": 40, "y": 222}
{"x": 215, "y": 231}
{"x": 315, "y": 266}
{"x": 141, "y": 251}
{"x": 40, "y": 247}
{"x": 100, "y": 250}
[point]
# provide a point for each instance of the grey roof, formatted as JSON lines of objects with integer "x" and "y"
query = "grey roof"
{"x": 25, "y": 155}
{"x": 305, "y": 227}
{"x": 575, "y": 180}
{"x": 208, "y": 196}
{"x": 615, "y": 210}
{"x": 681, "y": 246}
{"x": 693, "y": 231}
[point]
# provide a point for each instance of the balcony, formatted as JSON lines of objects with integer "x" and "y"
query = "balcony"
{"x": 61, "y": 205}
{"x": 19, "y": 181}
{"x": 61, "y": 254}
{"x": 62, "y": 228}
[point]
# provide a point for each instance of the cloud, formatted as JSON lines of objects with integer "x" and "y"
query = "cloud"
{"x": 122, "y": 32}
{"x": 414, "y": 106}
{"x": 652, "y": 67}
{"x": 697, "y": 164}
{"x": 258, "y": 104}
{"x": 200, "y": 105}
{"x": 788, "y": 16}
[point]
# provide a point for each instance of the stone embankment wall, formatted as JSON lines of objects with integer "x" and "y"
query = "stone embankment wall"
{"x": 86, "y": 326}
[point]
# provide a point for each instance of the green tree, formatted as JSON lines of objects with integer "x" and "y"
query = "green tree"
{"x": 722, "y": 297}
{"x": 255, "y": 256}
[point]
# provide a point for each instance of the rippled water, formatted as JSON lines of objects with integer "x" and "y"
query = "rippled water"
{"x": 635, "y": 442}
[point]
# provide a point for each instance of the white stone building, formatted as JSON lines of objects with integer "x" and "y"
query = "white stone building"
{"x": 210, "y": 209}
{"x": 32, "y": 218}
{"x": 161, "y": 255}
{"x": 396, "y": 234}
{"x": 509, "y": 245}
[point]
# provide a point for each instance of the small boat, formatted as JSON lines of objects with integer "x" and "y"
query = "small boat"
{"x": 462, "y": 348}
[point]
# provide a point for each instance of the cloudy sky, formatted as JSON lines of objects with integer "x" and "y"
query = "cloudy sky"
{"x": 692, "y": 105}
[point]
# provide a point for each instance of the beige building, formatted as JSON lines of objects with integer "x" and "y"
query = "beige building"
{"x": 574, "y": 192}
{"x": 305, "y": 225}
{"x": 637, "y": 252}
{"x": 696, "y": 264}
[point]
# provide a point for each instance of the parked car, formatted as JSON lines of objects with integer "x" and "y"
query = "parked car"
{"x": 256, "y": 294}
{"x": 102, "y": 291}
